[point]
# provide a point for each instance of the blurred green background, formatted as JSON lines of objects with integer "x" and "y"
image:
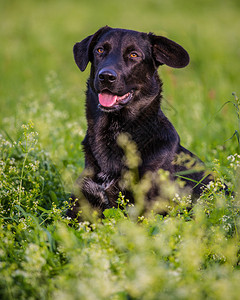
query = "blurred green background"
{"x": 177, "y": 257}
{"x": 40, "y": 81}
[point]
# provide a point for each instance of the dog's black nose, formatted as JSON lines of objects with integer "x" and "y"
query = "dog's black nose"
{"x": 107, "y": 75}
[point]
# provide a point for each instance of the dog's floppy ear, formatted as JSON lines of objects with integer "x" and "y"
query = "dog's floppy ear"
{"x": 168, "y": 52}
{"x": 82, "y": 50}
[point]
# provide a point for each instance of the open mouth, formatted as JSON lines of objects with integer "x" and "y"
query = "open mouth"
{"x": 108, "y": 100}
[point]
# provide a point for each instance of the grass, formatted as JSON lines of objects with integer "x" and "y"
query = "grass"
{"x": 188, "y": 254}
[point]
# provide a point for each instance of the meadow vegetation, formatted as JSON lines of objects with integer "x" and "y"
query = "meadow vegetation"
{"x": 192, "y": 252}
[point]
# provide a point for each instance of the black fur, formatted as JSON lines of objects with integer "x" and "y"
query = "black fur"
{"x": 122, "y": 62}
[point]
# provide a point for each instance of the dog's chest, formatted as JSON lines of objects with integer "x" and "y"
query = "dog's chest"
{"x": 105, "y": 147}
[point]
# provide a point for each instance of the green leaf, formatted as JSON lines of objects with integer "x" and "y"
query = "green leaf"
{"x": 113, "y": 213}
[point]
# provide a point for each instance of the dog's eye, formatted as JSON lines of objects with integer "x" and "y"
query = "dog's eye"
{"x": 100, "y": 50}
{"x": 133, "y": 55}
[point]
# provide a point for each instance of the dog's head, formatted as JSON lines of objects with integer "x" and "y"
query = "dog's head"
{"x": 124, "y": 64}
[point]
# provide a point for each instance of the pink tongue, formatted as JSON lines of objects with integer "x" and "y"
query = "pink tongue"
{"x": 107, "y": 99}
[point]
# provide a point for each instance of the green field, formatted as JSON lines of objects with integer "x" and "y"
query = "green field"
{"x": 189, "y": 254}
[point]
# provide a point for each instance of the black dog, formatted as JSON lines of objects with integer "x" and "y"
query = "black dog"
{"x": 123, "y": 96}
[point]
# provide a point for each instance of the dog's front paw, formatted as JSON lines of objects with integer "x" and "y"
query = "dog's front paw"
{"x": 95, "y": 193}
{"x": 104, "y": 200}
